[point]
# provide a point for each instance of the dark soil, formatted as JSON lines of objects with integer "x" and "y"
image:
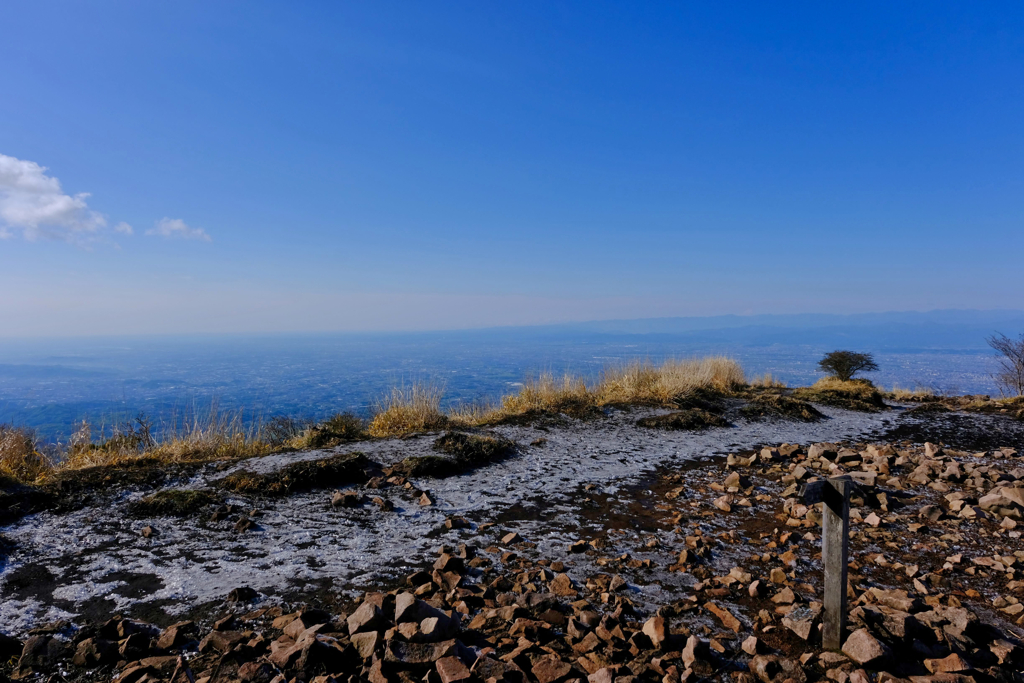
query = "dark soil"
{"x": 463, "y": 452}
{"x": 174, "y": 503}
{"x": 691, "y": 419}
{"x": 775, "y": 405}
{"x": 74, "y": 489}
{"x": 338, "y": 470}
{"x": 957, "y": 430}
{"x": 708, "y": 400}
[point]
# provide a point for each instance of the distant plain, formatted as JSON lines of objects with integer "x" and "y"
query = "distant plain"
{"x": 51, "y": 384}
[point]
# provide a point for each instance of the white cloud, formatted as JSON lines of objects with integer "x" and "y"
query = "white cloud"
{"x": 35, "y": 205}
{"x": 123, "y": 228}
{"x": 175, "y": 227}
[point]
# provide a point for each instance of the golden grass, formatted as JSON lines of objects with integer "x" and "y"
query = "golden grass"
{"x": 767, "y": 381}
{"x": 642, "y": 383}
{"x": 191, "y": 437}
{"x": 19, "y": 457}
{"x": 898, "y": 393}
{"x": 831, "y": 383}
{"x": 566, "y": 394}
{"x": 410, "y": 409}
{"x": 418, "y": 408}
{"x": 635, "y": 383}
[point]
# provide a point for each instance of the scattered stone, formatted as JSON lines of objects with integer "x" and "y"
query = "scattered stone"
{"x": 865, "y": 649}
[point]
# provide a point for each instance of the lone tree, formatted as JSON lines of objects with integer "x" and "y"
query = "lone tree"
{"x": 1010, "y": 377}
{"x": 845, "y": 364}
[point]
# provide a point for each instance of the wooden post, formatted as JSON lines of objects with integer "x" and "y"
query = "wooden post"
{"x": 835, "y": 555}
{"x": 835, "y": 552}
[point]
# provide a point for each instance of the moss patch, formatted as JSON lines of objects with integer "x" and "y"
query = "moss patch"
{"x": 691, "y": 419}
{"x": 462, "y": 451}
{"x": 172, "y": 503}
{"x": 775, "y": 405}
{"x": 348, "y": 468}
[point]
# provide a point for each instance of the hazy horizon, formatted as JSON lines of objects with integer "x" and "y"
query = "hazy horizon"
{"x": 1011, "y": 319}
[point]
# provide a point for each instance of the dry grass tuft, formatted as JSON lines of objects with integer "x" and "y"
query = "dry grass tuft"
{"x": 911, "y": 395}
{"x": 568, "y": 394}
{"x": 767, "y": 381}
{"x": 194, "y": 437}
{"x": 641, "y": 383}
{"x": 19, "y": 457}
{"x": 635, "y": 383}
{"x": 407, "y": 410}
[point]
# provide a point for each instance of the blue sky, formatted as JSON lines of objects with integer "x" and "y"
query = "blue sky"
{"x": 393, "y": 166}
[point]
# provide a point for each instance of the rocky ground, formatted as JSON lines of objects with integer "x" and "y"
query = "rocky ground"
{"x": 600, "y": 551}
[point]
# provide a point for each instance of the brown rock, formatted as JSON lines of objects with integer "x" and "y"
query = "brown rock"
{"x": 242, "y": 594}
{"x": 176, "y": 635}
{"x": 1005, "y": 651}
{"x": 456, "y": 523}
{"x": 952, "y": 664}
{"x": 451, "y": 669}
{"x": 419, "y": 653}
{"x": 366, "y": 643}
{"x": 347, "y": 499}
{"x": 550, "y": 668}
{"x": 725, "y": 616}
{"x": 220, "y": 641}
{"x": 561, "y": 586}
{"x": 864, "y": 649}
{"x": 93, "y": 652}
{"x": 367, "y": 618}
{"x": 655, "y": 629}
{"x": 695, "y": 650}
{"x": 723, "y": 503}
{"x": 136, "y": 673}
{"x": 256, "y": 672}
{"x": 426, "y": 499}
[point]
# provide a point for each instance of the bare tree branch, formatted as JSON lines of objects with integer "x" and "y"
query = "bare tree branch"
{"x": 1010, "y": 376}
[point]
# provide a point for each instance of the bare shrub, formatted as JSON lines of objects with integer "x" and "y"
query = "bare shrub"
{"x": 843, "y": 365}
{"x": 1010, "y": 376}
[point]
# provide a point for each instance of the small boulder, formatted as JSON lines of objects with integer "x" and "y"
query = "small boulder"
{"x": 866, "y": 650}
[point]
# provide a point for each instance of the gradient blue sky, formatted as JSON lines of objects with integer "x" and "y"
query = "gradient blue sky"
{"x": 381, "y": 166}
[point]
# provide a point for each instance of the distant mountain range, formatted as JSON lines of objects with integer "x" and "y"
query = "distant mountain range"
{"x": 911, "y": 330}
